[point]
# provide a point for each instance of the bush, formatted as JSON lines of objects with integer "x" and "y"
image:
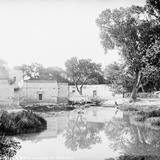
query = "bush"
{"x": 8, "y": 148}
{"x": 140, "y": 118}
{"x": 143, "y": 95}
{"x": 155, "y": 121}
{"x": 154, "y": 113}
{"x": 21, "y": 122}
{"x": 135, "y": 157}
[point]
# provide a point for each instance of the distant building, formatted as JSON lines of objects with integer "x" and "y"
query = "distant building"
{"x": 9, "y": 81}
{"x": 40, "y": 91}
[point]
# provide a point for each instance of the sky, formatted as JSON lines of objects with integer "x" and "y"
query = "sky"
{"x": 51, "y": 31}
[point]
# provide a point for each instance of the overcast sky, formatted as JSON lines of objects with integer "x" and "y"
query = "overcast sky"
{"x": 51, "y": 31}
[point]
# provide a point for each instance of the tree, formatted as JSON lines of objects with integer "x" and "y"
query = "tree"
{"x": 36, "y": 71}
{"x": 134, "y": 34}
{"x": 30, "y": 71}
{"x": 82, "y": 72}
{"x": 119, "y": 77}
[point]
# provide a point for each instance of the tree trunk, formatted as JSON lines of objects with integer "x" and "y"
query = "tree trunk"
{"x": 79, "y": 89}
{"x": 135, "y": 86}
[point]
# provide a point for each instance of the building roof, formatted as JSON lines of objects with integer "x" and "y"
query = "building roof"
{"x": 40, "y": 81}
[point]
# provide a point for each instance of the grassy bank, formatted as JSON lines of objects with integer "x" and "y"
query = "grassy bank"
{"x": 12, "y": 123}
{"x": 144, "y": 110}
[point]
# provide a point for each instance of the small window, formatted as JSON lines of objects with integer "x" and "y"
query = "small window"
{"x": 40, "y": 97}
{"x": 73, "y": 91}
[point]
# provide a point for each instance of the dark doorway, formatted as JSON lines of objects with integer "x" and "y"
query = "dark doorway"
{"x": 40, "y": 97}
{"x": 94, "y": 93}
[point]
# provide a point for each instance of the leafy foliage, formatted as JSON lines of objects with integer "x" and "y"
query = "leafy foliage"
{"x": 36, "y": 71}
{"x": 21, "y": 122}
{"x": 135, "y": 34}
{"x": 153, "y": 8}
{"x": 83, "y": 71}
{"x": 119, "y": 77}
{"x": 8, "y": 148}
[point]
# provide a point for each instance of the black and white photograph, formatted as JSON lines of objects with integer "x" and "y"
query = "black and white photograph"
{"x": 79, "y": 79}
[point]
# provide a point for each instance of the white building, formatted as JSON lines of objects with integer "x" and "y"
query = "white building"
{"x": 9, "y": 81}
{"x": 40, "y": 91}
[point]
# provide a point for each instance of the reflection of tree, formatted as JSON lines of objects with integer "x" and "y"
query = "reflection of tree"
{"x": 131, "y": 139}
{"x": 132, "y": 157}
{"x": 8, "y": 148}
{"x": 82, "y": 134}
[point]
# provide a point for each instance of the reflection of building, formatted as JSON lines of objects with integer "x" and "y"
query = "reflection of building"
{"x": 38, "y": 91}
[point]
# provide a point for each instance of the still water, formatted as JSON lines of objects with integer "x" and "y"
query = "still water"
{"x": 90, "y": 134}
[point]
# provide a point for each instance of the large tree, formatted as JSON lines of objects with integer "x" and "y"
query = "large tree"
{"x": 134, "y": 34}
{"x": 82, "y": 71}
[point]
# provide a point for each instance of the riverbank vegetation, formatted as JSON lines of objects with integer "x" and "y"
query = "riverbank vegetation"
{"x": 8, "y": 148}
{"x": 21, "y": 122}
{"x": 134, "y": 157}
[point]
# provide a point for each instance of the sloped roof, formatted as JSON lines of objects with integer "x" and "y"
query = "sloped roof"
{"x": 40, "y": 81}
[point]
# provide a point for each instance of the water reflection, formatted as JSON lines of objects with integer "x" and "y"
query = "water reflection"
{"x": 93, "y": 133}
{"x": 8, "y": 148}
{"x": 129, "y": 157}
{"x": 131, "y": 139}
{"x": 82, "y": 134}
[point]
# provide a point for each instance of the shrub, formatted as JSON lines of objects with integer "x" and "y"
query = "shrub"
{"x": 143, "y": 95}
{"x": 21, "y": 122}
{"x": 140, "y": 118}
{"x": 8, "y": 148}
{"x": 154, "y": 121}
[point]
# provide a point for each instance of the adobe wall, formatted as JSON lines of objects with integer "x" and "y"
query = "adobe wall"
{"x": 32, "y": 90}
{"x": 91, "y": 91}
{"x": 63, "y": 93}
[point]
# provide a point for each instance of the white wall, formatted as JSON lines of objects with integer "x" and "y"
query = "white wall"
{"x": 63, "y": 92}
{"x": 32, "y": 89}
{"x": 102, "y": 91}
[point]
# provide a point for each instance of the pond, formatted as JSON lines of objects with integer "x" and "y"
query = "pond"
{"x": 96, "y": 133}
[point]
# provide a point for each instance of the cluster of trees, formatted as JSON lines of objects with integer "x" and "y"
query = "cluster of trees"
{"x": 36, "y": 71}
{"x": 78, "y": 72}
{"x": 135, "y": 32}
